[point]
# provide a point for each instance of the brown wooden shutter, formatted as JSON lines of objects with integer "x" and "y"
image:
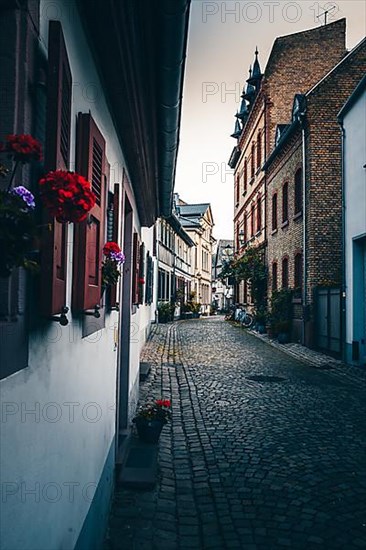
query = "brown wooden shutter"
{"x": 141, "y": 275}
{"x": 89, "y": 235}
{"x": 115, "y": 237}
{"x": 136, "y": 269}
{"x": 57, "y": 156}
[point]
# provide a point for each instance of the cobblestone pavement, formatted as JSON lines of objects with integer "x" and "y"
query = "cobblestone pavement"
{"x": 263, "y": 451}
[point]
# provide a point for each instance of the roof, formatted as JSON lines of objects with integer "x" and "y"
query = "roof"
{"x": 176, "y": 224}
{"x": 188, "y": 222}
{"x": 192, "y": 210}
{"x": 361, "y": 86}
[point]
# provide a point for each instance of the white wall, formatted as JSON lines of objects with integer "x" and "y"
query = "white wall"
{"x": 355, "y": 193}
{"x": 69, "y": 440}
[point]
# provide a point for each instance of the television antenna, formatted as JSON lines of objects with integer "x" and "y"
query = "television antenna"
{"x": 325, "y": 14}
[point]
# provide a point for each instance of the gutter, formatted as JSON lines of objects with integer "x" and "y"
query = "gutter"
{"x": 343, "y": 288}
{"x": 174, "y": 18}
{"x": 301, "y": 119}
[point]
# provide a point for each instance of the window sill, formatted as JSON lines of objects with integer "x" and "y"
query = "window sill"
{"x": 298, "y": 216}
{"x": 274, "y": 231}
{"x": 284, "y": 224}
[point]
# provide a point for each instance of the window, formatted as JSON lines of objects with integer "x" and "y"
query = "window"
{"x": 252, "y": 161}
{"x": 245, "y": 175}
{"x": 259, "y": 214}
{"x": 237, "y": 236}
{"x": 285, "y": 203}
{"x": 298, "y": 270}
{"x": 274, "y": 276}
{"x": 237, "y": 189}
{"x": 298, "y": 191}
{"x": 274, "y": 212}
{"x": 259, "y": 150}
{"x": 285, "y": 273}
{"x": 252, "y": 220}
{"x": 89, "y": 235}
{"x": 245, "y": 228}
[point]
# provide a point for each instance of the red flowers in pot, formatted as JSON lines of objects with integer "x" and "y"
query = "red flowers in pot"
{"x": 67, "y": 195}
{"x": 22, "y": 147}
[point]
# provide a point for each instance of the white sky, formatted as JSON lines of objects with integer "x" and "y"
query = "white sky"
{"x": 222, "y": 39}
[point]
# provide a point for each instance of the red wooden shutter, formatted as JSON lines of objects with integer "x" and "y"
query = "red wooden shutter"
{"x": 57, "y": 155}
{"x": 136, "y": 269}
{"x": 89, "y": 235}
{"x": 141, "y": 276}
{"x": 115, "y": 236}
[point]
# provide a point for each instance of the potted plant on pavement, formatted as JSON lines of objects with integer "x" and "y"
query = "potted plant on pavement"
{"x": 151, "y": 418}
{"x": 165, "y": 312}
{"x": 281, "y": 314}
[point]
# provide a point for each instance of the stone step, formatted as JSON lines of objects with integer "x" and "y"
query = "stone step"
{"x": 140, "y": 467}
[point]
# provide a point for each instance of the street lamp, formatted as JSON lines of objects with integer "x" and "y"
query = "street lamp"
{"x": 241, "y": 237}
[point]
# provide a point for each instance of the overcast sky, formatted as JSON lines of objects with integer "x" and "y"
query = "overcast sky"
{"x": 222, "y": 39}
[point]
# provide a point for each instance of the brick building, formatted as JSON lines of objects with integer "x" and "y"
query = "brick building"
{"x": 296, "y": 63}
{"x": 304, "y": 238}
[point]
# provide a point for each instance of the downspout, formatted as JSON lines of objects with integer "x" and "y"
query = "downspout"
{"x": 343, "y": 287}
{"x": 301, "y": 119}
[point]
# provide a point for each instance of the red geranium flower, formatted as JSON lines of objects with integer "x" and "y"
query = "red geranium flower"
{"x": 22, "y": 147}
{"x": 110, "y": 247}
{"x": 141, "y": 281}
{"x": 67, "y": 195}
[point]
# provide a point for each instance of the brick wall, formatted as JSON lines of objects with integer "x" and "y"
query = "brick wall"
{"x": 297, "y": 62}
{"x": 324, "y": 169}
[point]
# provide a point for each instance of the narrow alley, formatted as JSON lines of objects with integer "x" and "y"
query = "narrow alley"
{"x": 262, "y": 451}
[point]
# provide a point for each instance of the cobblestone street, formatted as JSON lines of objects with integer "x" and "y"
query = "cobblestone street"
{"x": 263, "y": 451}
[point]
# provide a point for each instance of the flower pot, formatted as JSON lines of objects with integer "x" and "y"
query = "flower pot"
{"x": 149, "y": 430}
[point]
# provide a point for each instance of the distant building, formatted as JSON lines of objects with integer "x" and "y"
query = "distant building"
{"x": 174, "y": 253}
{"x": 352, "y": 118}
{"x": 197, "y": 221}
{"x": 222, "y": 289}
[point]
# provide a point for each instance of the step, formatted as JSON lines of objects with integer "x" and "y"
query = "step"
{"x": 140, "y": 467}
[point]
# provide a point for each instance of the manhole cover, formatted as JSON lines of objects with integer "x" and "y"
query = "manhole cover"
{"x": 264, "y": 378}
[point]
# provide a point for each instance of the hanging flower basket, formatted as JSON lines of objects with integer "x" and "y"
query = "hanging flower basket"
{"x": 114, "y": 258}
{"x": 66, "y": 195}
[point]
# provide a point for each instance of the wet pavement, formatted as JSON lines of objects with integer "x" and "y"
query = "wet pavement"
{"x": 263, "y": 451}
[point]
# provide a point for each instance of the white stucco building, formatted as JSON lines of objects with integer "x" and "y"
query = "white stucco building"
{"x": 352, "y": 118}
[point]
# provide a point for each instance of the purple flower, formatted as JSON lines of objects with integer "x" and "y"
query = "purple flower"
{"x": 25, "y": 194}
{"x": 118, "y": 257}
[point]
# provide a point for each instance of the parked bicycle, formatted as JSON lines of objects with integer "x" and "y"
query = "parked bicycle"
{"x": 239, "y": 314}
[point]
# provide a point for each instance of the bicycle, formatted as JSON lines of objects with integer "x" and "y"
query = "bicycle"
{"x": 245, "y": 318}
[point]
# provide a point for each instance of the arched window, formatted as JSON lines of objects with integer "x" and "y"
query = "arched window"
{"x": 285, "y": 202}
{"x": 245, "y": 175}
{"x": 298, "y": 191}
{"x": 259, "y": 213}
{"x": 259, "y": 150}
{"x": 274, "y": 212}
{"x": 237, "y": 189}
{"x": 285, "y": 272}
{"x": 298, "y": 271}
{"x": 274, "y": 276}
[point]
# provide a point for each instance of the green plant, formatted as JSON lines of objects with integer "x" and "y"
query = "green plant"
{"x": 261, "y": 317}
{"x": 281, "y": 309}
{"x": 251, "y": 268}
{"x": 165, "y": 311}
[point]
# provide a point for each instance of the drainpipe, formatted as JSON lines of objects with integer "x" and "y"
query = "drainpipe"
{"x": 343, "y": 287}
{"x": 304, "y": 228}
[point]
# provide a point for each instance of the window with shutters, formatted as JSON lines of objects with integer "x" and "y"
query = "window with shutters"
{"x": 135, "y": 269}
{"x": 274, "y": 212}
{"x": 141, "y": 275}
{"x": 113, "y": 235}
{"x": 57, "y": 156}
{"x": 89, "y": 236}
{"x": 298, "y": 191}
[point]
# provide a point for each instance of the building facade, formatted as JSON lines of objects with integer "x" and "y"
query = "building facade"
{"x": 69, "y": 349}
{"x": 352, "y": 118}
{"x": 197, "y": 221}
{"x": 296, "y": 63}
